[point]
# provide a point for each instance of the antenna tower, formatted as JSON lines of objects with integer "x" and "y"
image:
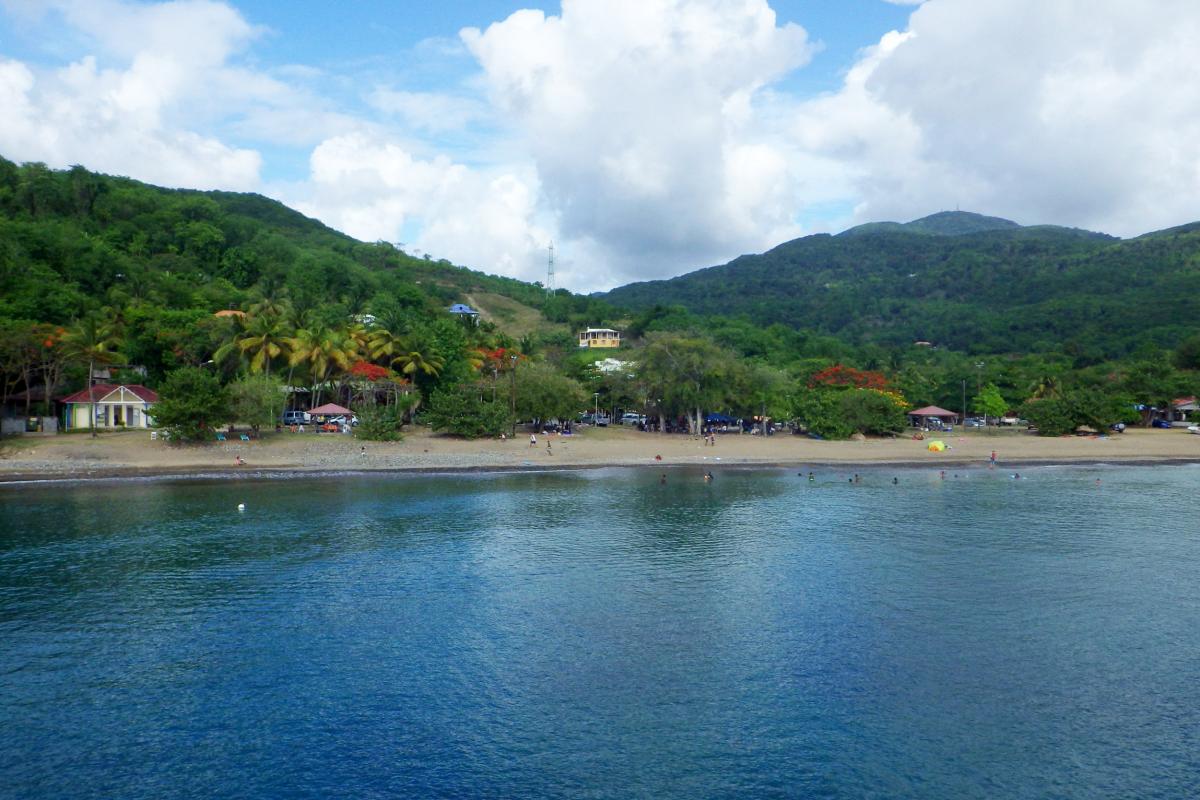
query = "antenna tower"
{"x": 550, "y": 271}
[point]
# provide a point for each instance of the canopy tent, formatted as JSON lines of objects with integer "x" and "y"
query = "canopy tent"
{"x": 723, "y": 419}
{"x": 328, "y": 410}
{"x": 925, "y": 417}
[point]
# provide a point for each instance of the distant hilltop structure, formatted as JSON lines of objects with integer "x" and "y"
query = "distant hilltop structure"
{"x": 464, "y": 311}
{"x": 599, "y": 337}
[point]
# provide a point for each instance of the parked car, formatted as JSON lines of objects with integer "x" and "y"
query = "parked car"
{"x": 1160, "y": 423}
{"x": 974, "y": 422}
{"x": 342, "y": 420}
{"x": 630, "y": 418}
{"x": 296, "y": 418}
{"x": 602, "y": 420}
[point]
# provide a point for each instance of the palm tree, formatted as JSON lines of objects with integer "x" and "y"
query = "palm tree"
{"x": 321, "y": 349}
{"x": 93, "y": 340}
{"x": 418, "y": 366}
{"x": 263, "y": 340}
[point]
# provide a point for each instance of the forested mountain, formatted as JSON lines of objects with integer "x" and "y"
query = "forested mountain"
{"x": 962, "y": 281}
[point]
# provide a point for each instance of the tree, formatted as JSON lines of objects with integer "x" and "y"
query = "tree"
{"x": 467, "y": 410}
{"x": 1187, "y": 354}
{"x": 263, "y": 337}
{"x": 990, "y": 403}
{"x": 191, "y": 404}
{"x": 689, "y": 373}
{"x": 379, "y": 423}
{"x": 256, "y": 400}
{"x": 93, "y": 341}
{"x": 545, "y": 393}
{"x": 872, "y": 411}
{"x": 1154, "y": 383}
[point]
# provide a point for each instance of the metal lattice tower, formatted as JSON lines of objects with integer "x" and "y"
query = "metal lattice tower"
{"x": 550, "y": 271}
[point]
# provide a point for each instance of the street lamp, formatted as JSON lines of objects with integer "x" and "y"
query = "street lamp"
{"x": 595, "y": 406}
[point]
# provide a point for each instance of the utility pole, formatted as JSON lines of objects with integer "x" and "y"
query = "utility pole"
{"x": 964, "y": 405}
{"x": 979, "y": 388}
{"x": 512, "y": 394}
{"x": 550, "y": 271}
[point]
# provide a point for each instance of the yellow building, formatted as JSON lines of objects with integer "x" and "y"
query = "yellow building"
{"x": 600, "y": 337}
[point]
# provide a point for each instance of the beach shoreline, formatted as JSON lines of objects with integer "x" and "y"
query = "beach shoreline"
{"x": 133, "y": 455}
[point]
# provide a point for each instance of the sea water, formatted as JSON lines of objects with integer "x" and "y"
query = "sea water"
{"x": 604, "y": 634}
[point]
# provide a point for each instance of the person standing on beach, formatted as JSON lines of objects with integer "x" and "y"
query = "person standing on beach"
{"x": 992, "y": 461}
{"x": 533, "y": 440}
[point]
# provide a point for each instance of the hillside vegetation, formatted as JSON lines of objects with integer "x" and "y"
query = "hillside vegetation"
{"x": 960, "y": 281}
{"x": 231, "y": 302}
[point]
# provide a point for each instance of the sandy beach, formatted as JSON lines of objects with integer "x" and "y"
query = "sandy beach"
{"x": 134, "y": 453}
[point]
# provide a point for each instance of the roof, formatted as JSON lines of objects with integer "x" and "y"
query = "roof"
{"x": 329, "y": 408}
{"x": 462, "y": 308}
{"x": 932, "y": 411}
{"x": 230, "y": 312}
{"x": 600, "y": 330}
{"x": 1184, "y": 401}
{"x": 102, "y": 390}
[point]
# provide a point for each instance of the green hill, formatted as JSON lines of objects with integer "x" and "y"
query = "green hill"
{"x": 72, "y": 240}
{"x": 999, "y": 288}
{"x": 943, "y": 223}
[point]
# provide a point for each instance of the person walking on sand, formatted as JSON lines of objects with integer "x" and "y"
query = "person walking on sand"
{"x": 992, "y": 460}
{"x": 239, "y": 461}
{"x": 533, "y": 440}
{"x": 549, "y": 452}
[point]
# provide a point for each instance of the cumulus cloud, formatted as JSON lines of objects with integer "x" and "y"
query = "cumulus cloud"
{"x": 639, "y": 117}
{"x": 124, "y": 119}
{"x": 1078, "y": 112}
{"x": 375, "y": 189}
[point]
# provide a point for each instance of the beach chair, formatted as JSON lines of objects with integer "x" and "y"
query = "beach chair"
{"x": 220, "y": 437}
{"x": 245, "y": 437}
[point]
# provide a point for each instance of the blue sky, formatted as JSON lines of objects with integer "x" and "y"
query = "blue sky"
{"x": 644, "y": 137}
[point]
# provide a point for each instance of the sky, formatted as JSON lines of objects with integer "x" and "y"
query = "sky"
{"x": 644, "y": 138}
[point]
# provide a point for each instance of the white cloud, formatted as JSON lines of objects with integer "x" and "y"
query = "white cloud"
{"x": 374, "y": 189}
{"x": 428, "y": 111}
{"x": 125, "y": 119}
{"x": 639, "y": 117}
{"x": 1078, "y": 112}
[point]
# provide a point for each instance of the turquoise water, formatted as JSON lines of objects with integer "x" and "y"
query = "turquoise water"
{"x": 599, "y": 634}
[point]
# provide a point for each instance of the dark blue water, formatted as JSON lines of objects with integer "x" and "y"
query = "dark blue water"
{"x": 598, "y": 634}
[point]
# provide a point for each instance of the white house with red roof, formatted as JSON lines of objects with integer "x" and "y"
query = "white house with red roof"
{"x": 117, "y": 406}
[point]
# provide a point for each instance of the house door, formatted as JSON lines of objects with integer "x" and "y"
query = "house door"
{"x": 118, "y": 415}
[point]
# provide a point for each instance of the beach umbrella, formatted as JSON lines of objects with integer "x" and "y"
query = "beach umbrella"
{"x": 937, "y": 446}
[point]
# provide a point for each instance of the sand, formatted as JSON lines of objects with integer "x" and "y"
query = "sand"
{"x": 77, "y": 456}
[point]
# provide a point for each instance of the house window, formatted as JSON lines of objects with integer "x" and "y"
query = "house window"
{"x": 133, "y": 417}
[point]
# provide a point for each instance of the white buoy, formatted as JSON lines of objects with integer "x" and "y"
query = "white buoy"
{"x": 241, "y": 506}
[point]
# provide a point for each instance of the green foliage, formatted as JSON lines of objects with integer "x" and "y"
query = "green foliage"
{"x": 379, "y": 423}
{"x": 256, "y": 400}
{"x": 466, "y": 410}
{"x": 993, "y": 287}
{"x": 990, "y": 403}
{"x": 542, "y": 393}
{"x": 820, "y": 412}
{"x": 1082, "y": 407}
{"x": 191, "y": 404}
{"x": 837, "y": 413}
{"x": 870, "y": 412}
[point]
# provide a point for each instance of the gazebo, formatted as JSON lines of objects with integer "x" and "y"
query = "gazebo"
{"x": 329, "y": 410}
{"x": 921, "y": 417}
